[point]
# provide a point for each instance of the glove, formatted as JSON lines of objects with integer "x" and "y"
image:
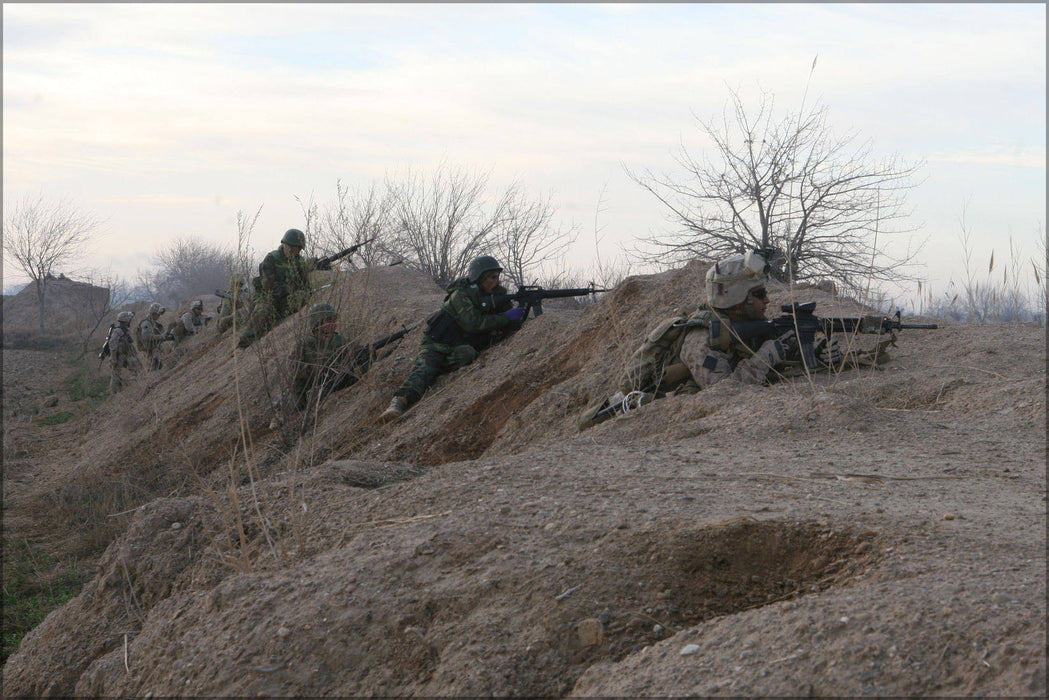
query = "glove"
{"x": 516, "y": 314}
{"x": 776, "y": 350}
{"x": 828, "y": 353}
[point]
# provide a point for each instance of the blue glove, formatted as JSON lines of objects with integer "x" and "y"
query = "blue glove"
{"x": 516, "y": 314}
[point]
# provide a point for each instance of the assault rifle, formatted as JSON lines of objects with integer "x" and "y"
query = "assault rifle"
{"x": 325, "y": 263}
{"x": 801, "y": 319}
{"x": 531, "y": 297}
{"x": 364, "y": 357}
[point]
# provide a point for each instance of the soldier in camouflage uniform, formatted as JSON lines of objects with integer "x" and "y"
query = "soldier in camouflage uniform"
{"x": 686, "y": 354}
{"x": 322, "y": 359}
{"x": 282, "y": 287}
{"x": 124, "y": 358}
{"x": 467, "y": 323}
{"x": 191, "y": 322}
{"x": 151, "y": 334}
{"x": 226, "y": 308}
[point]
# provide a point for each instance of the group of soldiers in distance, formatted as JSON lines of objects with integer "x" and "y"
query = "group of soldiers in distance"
{"x": 682, "y": 354}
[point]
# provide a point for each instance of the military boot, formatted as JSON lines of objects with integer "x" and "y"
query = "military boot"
{"x": 396, "y": 409}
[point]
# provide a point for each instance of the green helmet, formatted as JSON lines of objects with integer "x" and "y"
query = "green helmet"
{"x": 481, "y": 265}
{"x": 730, "y": 280}
{"x": 319, "y": 313}
{"x": 295, "y": 237}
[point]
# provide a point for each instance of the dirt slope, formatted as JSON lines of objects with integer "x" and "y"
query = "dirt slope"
{"x": 880, "y": 532}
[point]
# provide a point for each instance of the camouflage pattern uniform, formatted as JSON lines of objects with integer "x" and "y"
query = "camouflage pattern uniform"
{"x": 467, "y": 323}
{"x": 281, "y": 289}
{"x": 124, "y": 358}
{"x": 322, "y": 365}
{"x": 189, "y": 324}
{"x": 225, "y": 311}
{"x": 709, "y": 362}
{"x": 152, "y": 333}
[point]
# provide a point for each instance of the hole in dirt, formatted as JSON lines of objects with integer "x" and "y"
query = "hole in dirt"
{"x": 656, "y": 584}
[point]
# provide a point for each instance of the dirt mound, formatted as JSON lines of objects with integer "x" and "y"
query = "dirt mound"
{"x": 876, "y": 532}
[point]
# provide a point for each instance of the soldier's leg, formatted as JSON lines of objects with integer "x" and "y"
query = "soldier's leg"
{"x": 461, "y": 356}
{"x": 428, "y": 365}
{"x": 258, "y": 324}
{"x": 116, "y": 381}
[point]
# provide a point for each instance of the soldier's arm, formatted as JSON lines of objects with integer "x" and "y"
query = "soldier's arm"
{"x": 470, "y": 318}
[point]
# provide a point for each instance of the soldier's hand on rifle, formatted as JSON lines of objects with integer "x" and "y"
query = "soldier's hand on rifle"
{"x": 776, "y": 350}
{"x": 827, "y": 352}
{"x": 516, "y": 314}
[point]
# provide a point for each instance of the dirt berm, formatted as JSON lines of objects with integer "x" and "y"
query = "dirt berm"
{"x": 881, "y": 532}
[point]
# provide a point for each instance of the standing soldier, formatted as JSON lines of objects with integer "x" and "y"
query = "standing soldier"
{"x": 281, "y": 289}
{"x": 191, "y": 323}
{"x": 124, "y": 357}
{"x": 466, "y": 323}
{"x": 150, "y": 334}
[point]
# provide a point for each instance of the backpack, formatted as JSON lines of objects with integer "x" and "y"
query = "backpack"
{"x": 647, "y": 367}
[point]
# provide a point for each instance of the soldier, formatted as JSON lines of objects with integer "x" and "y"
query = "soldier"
{"x": 191, "y": 322}
{"x": 150, "y": 334}
{"x": 322, "y": 359}
{"x": 281, "y": 289}
{"x": 686, "y": 354}
{"x": 124, "y": 358}
{"x": 466, "y": 323}
{"x": 226, "y": 307}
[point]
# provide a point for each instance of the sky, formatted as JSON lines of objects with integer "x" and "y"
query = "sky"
{"x": 166, "y": 120}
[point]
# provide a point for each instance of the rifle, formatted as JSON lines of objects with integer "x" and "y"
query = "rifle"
{"x": 364, "y": 357}
{"x": 531, "y": 297}
{"x": 325, "y": 263}
{"x": 801, "y": 319}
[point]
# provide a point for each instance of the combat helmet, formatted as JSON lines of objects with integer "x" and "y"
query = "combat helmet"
{"x": 156, "y": 308}
{"x": 197, "y": 305}
{"x": 295, "y": 237}
{"x": 319, "y": 313}
{"x": 479, "y": 266}
{"x": 729, "y": 280}
{"x": 125, "y": 316}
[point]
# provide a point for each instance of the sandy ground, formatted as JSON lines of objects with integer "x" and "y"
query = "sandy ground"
{"x": 881, "y": 532}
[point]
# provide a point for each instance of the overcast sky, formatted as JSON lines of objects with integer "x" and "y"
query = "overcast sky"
{"x": 167, "y": 119}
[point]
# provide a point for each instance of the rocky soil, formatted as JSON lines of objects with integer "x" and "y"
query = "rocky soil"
{"x": 879, "y": 532}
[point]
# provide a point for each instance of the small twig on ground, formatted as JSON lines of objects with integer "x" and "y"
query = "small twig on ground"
{"x": 567, "y": 593}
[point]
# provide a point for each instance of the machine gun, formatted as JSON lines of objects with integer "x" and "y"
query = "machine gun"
{"x": 325, "y": 263}
{"x": 531, "y": 297}
{"x": 801, "y": 319}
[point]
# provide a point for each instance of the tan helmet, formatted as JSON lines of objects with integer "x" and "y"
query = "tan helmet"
{"x": 197, "y": 305}
{"x": 125, "y": 316}
{"x": 156, "y": 308}
{"x": 729, "y": 280}
{"x": 319, "y": 313}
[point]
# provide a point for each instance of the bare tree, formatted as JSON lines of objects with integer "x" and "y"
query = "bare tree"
{"x": 189, "y": 266}
{"x": 440, "y": 224}
{"x": 789, "y": 183}
{"x": 41, "y": 235}
{"x": 101, "y": 293}
{"x": 524, "y": 239}
{"x": 355, "y": 217}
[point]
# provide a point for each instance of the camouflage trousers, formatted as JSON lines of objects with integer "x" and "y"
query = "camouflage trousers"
{"x": 430, "y": 364}
{"x": 265, "y": 314}
{"x": 121, "y": 377}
